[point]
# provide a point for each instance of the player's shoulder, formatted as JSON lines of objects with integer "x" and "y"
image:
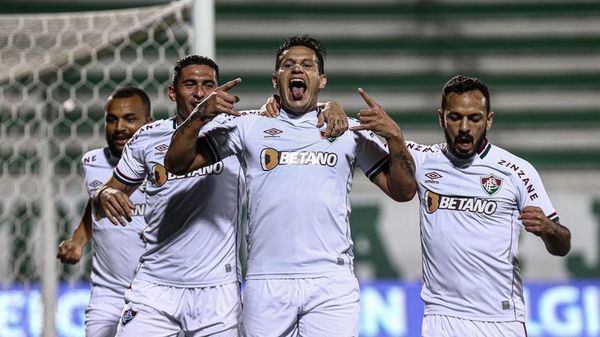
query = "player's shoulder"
{"x": 423, "y": 148}
{"x": 96, "y": 157}
{"x": 159, "y": 126}
{"x": 352, "y": 122}
{"x": 150, "y": 131}
{"x": 92, "y": 155}
{"x": 228, "y": 122}
{"x": 245, "y": 116}
{"x": 505, "y": 160}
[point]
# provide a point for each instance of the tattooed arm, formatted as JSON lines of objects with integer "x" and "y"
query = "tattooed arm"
{"x": 397, "y": 180}
{"x": 399, "y": 176}
{"x": 556, "y": 237}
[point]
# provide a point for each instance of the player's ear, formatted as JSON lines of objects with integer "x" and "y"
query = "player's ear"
{"x": 441, "y": 119}
{"x": 171, "y": 92}
{"x": 322, "y": 81}
{"x": 490, "y": 120}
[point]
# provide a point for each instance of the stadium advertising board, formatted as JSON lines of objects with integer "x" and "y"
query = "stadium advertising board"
{"x": 388, "y": 309}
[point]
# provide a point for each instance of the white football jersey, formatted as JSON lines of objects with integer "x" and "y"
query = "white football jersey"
{"x": 116, "y": 249}
{"x": 193, "y": 220}
{"x": 298, "y": 191}
{"x": 470, "y": 230}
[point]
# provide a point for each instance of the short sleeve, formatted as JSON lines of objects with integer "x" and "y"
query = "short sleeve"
{"x": 420, "y": 152}
{"x": 131, "y": 170}
{"x": 372, "y": 156}
{"x": 531, "y": 191}
{"x": 224, "y": 136}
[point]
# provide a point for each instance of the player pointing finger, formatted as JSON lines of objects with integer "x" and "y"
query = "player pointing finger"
{"x": 218, "y": 102}
{"x": 368, "y": 99}
{"x": 375, "y": 118}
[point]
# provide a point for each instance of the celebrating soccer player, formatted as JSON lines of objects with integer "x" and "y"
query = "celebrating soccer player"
{"x": 300, "y": 278}
{"x": 475, "y": 200}
{"x": 116, "y": 250}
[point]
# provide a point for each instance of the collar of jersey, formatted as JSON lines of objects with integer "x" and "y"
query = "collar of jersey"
{"x": 310, "y": 116}
{"x": 484, "y": 149}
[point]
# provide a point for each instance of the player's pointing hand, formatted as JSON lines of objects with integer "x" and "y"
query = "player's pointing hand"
{"x": 374, "y": 118}
{"x": 218, "y": 102}
{"x": 230, "y": 85}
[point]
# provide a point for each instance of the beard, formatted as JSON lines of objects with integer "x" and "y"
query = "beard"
{"x": 461, "y": 137}
{"x": 112, "y": 147}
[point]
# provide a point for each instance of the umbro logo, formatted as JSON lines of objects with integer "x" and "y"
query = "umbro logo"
{"x": 95, "y": 183}
{"x": 433, "y": 176}
{"x": 162, "y": 147}
{"x": 273, "y": 132}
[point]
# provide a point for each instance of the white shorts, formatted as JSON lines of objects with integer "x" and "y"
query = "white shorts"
{"x": 102, "y": 315}
{"x": 163, "y": 311}
{"x": 314, "y": 307}
{"x": 448, "y": 326}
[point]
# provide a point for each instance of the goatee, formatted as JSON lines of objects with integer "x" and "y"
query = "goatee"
{"x": 462, "y": 155}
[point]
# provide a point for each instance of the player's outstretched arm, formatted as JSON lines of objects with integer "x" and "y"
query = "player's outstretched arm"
{"x": 187, "y": 152}
{"x": 112, "y": 201}
{"x": 556, "y": 237}
{"x": 70, "y": 251}
{"x": 398, "y": 180}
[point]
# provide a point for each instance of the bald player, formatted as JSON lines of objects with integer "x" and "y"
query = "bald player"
{"x": 116, "y": 250}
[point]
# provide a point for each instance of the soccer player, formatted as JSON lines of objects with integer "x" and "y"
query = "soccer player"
{"x": 300, "y": 278}
{"x": 116, "y": 250}
{"x": 187, "y": 280}
{"x": 188, "y": 277}
{"x": 475, "y": 200}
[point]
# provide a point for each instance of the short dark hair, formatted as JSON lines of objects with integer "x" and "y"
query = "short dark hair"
{"x": 460, "y": 84}
{"x": 192, "y": 59}
{"x": 129, "y": 91}
{"x": 303, "y": 41}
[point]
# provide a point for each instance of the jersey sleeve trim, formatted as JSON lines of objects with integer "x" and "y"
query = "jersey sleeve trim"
{"x": 125, "y": 179}
{"x": 378, "y": 167}
{"x": 212, "y": 146}
{"x": 553, "y": 217}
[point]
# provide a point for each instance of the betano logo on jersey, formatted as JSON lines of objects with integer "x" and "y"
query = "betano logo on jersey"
{"x": 457, "y": 203}
{"x": 271, "y": 158}
{"x": 161, "y": 176}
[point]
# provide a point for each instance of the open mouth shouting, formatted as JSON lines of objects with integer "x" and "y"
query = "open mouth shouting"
{"x": 297, "y": 88}
{"x": 463, "y": 143}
